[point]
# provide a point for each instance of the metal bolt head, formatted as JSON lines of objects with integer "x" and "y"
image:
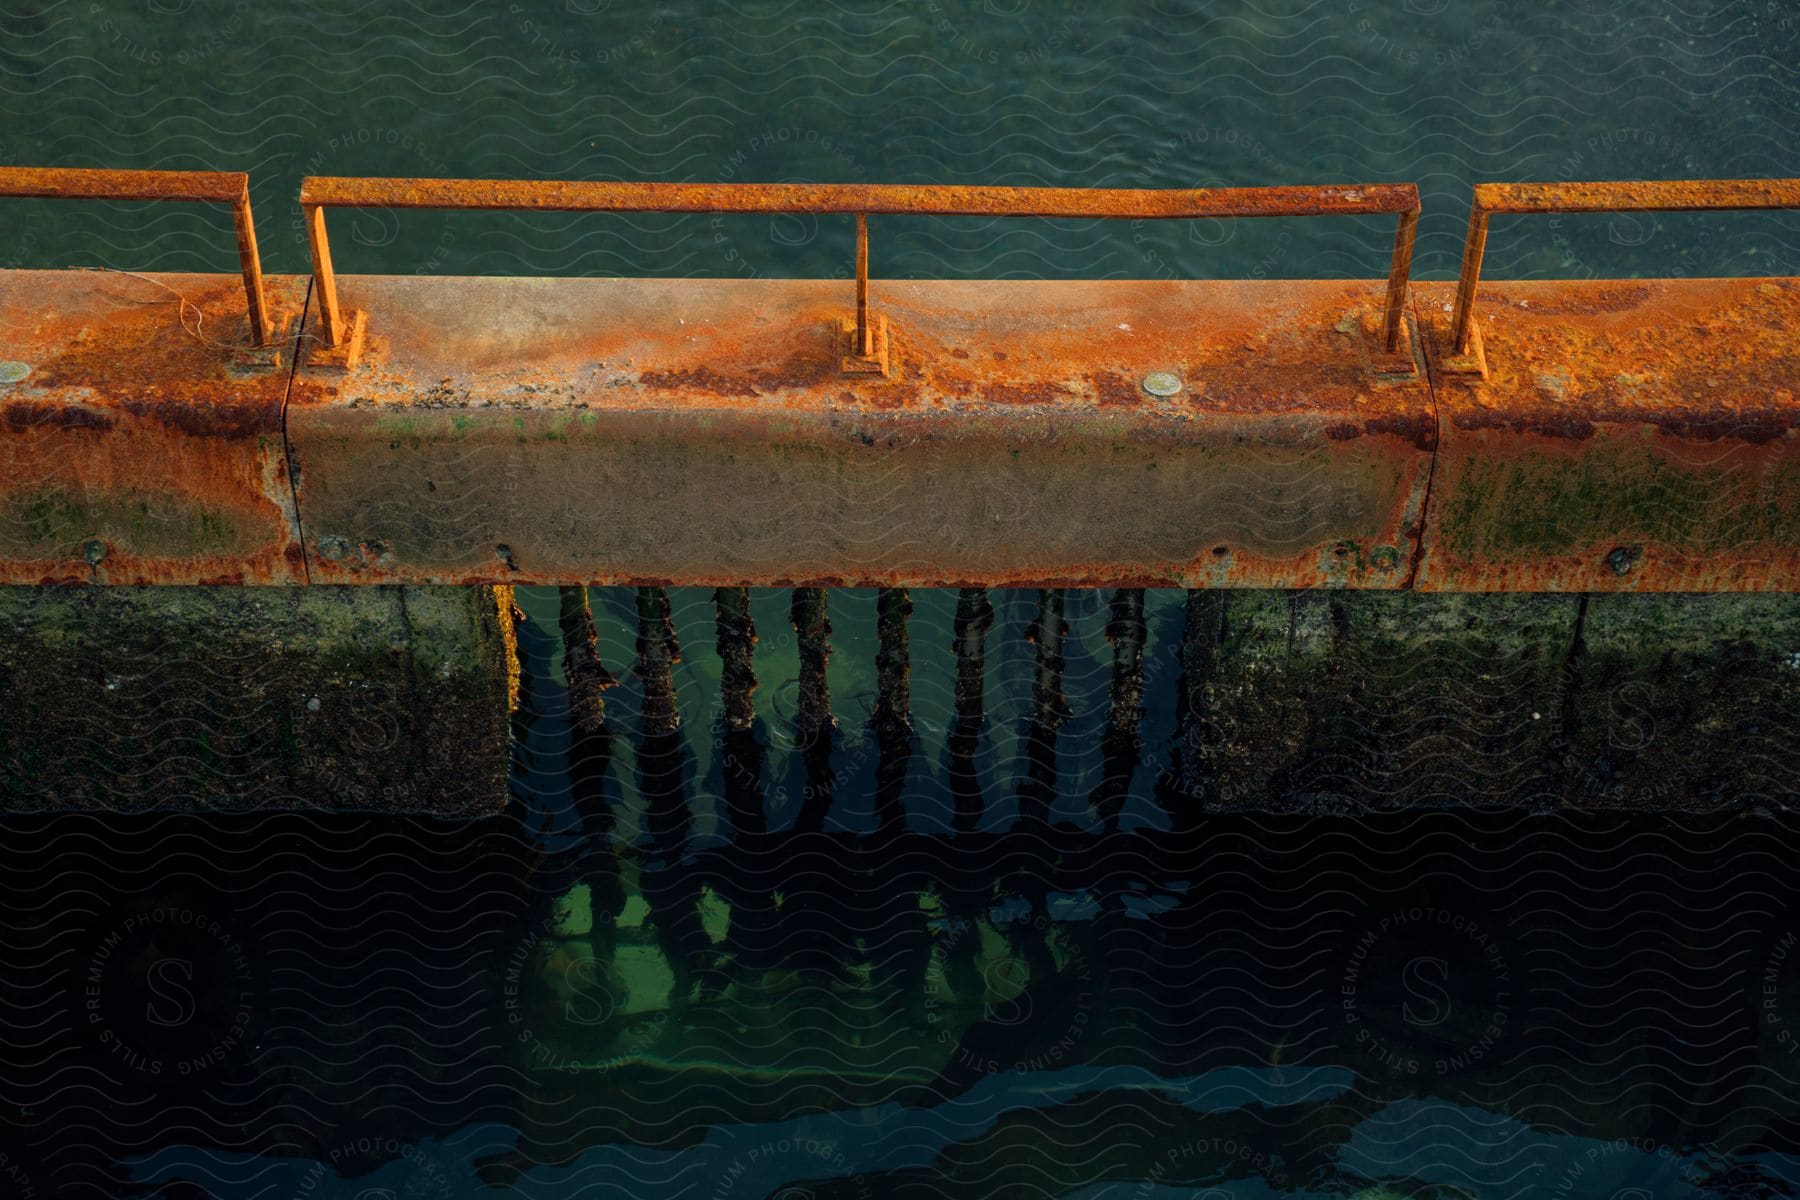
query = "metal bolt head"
{"x": 1622, "y": 559}
{"x": 1162, "y": 383}
{"x": 12, "y": 372}
{"x": 333, "y": 548}
{"x": 93, "y": 550}
{"x": 1384, "y": 558}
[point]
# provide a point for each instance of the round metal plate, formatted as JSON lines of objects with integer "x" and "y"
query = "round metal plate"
{"x": 1162, "y": 383}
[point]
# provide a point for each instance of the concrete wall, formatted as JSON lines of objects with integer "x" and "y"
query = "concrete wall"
{"x": 388, "y": 698}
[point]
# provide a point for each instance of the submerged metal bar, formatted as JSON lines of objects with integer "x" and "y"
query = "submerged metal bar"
{"x": 1049, "y": 708}
{"x": 974, "y": 617}
{"x": 1187, "y": 783}
{"x": 590, "y": 764}
{"x": 1126, "y": 633}
{"x": 321, "y": 192}
{"x": 811, "y": 619}
{"x": 737, "y": 648}
{"x": 893, "y": 661}
{"x": 1121, "y": 743}
{"x": 657, "y": 654}
{"x": 1634, "y": 195}
{"x": 587, "y": 675}
{"x": 208, "y": 187}
{"x": 1049, "y": 704}
{"x": 814, "y": 726}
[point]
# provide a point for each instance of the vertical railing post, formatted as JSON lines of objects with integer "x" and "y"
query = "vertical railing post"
{"x": 1474, "y": 246}
{"x": 331, "y": 317}
{"x": 250, "y": 263}
{"x": 865, "y": 337}
{"x": 1398, "y": 272}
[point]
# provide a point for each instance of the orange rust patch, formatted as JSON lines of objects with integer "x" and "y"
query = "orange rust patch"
{"x": 1653, "y": 446}
{"x": 1013, "y": 442}
{"x": 137, "y": 450}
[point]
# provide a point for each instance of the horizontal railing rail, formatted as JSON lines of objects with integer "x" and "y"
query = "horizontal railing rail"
{"x": 861, "y": 200}
{"x": 211, "y": 187}
{"x": 1635, "y": 195}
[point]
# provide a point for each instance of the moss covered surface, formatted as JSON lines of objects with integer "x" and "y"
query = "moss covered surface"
{"x": 1345, "y": 701}
{"x": 1686, "y": 701}
{"x": 388, "y": 699}
{"x": 1528, "y": 509}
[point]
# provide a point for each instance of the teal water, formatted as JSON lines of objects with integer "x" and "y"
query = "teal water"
{"x": 966, "y": 91}
{"x": 1274, "y": 1010}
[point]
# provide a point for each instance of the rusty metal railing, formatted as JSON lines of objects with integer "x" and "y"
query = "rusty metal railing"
{"x": 1697, "y": 195}
{"x": 862, "y": 201}
{"x": 211, "y": 187}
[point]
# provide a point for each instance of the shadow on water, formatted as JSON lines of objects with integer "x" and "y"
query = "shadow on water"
{"x": 586, "y": 991}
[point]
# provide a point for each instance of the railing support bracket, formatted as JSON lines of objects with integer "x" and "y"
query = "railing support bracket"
{"x": 1469, "y": 365}
{"x": 851, "y": 360}
{"x": 350, "y": 345}
{"x": 250, "y": 356}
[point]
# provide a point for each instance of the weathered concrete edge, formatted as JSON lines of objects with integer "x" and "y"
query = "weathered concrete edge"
{"x": 1621, "y": 563}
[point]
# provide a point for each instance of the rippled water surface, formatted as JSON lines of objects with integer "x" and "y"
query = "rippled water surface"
{"x": 662, "y": 983}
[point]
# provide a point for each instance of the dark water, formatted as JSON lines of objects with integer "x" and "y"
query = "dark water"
{"x": 650, "y": 980}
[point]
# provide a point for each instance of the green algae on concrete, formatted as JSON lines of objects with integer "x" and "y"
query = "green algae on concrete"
{"x": 1685, "y": 701}
{"x": 390, "y": 699}
{"x": 1440, "y": 699}
{"x": 52, "y": 523}
{"x": 1545, "y": 521}
{"x": 1350, "y": 701}
{"x": 1343, "y": 701}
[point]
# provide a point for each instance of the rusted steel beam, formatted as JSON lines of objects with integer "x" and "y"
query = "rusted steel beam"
{"x": 1124, "y": 434}
{"x": 1634, "y": 435}
{"x": 1634, "y": 195}
{"x": 341, "y": 331}
{"x": 133, "y": 447}
{"x": 215, "y": 187}
{"x": 1399, "y": 269}
{"x": 331, "y": 316}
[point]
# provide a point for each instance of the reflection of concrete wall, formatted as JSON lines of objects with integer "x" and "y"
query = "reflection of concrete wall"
{"x": 391, "y": 698}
